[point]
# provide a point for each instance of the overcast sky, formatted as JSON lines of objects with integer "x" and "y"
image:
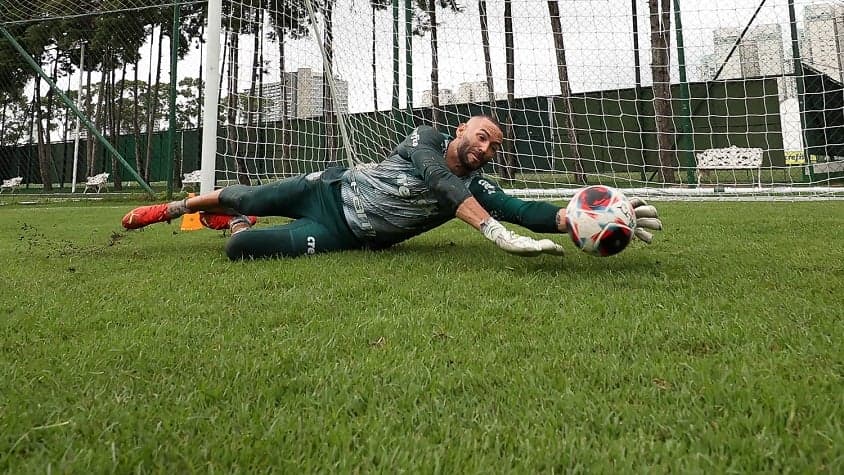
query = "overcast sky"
{"x": 598, "y": 37}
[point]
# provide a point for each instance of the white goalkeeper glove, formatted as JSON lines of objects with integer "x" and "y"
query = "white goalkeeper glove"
{"x": 515, "y": 244}
{"x": 646, "y": 218}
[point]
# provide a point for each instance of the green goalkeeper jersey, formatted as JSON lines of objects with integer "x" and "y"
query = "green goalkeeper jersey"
{"x": 412, "y": 191}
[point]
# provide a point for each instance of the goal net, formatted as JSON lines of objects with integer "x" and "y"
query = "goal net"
{"x": 719, "y": 99}
{"x": 701, "y": 100}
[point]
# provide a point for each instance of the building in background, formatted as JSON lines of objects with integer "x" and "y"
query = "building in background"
{"x": 467, "y": 92}
{"x": 823, "y": 33}
{"x": 760, "y": 53}
{"x": 476, "y": 91}
{"x": 302, "y": 97}
{"x": 446, "y": 97}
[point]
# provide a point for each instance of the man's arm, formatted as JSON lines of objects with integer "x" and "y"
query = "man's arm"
{"x": 538, "y": 216}
{"x": 449, "y": 189}
{"x": 453, "y": 194}
{"x": 542, "y": 217}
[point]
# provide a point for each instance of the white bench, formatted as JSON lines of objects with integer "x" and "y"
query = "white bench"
{"x": 11, "y": 184}
{"x": 98, "y": 182}
{"x": 191, "y": 179}
{"x": 731, "y": 158}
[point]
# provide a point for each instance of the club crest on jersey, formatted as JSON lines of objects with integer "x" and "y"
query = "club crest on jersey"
{"x": 487, "y": 186}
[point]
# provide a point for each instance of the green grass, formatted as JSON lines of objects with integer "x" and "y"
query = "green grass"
{"x": 720, "y": 348}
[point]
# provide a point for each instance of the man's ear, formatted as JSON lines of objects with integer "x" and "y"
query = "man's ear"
{"x": 460, "y": 129}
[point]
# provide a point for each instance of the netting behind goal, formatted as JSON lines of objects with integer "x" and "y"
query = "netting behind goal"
{"x": 715, "y": 100}
{"x": 720, "y": 98}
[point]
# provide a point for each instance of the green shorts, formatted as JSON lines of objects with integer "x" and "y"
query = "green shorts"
{"x": 315, "y": 205}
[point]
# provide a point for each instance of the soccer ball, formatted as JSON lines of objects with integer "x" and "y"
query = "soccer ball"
{"x": 600, "y": 220}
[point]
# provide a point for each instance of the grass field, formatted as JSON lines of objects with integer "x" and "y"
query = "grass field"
{"x": 720, "y": 348}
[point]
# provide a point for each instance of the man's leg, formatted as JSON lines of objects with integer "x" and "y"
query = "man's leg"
{"x": 270, "y": 199}
{"x": 301, "y": 237}
{"x": 321, "y": 225}
{"x": 209, "y": 202}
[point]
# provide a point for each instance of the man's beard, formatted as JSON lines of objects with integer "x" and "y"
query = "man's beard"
{"x": 463, "y": 156}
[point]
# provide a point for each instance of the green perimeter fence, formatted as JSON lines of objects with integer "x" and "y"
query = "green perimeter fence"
{"x": 616, "y": 133}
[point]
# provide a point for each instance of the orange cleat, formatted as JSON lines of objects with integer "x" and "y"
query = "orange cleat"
{"x": 145, "y": 215}
{"x": 221, "y": 222}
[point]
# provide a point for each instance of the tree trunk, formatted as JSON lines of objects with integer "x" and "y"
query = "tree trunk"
{"x": 660, "y": 16}
{"x": 231, "y": 111}
{"x": 48, "y": 147}
{"x": 374, "y": 66}
{"x": 395, "y": 93}
{"x": 3, "y": 124}
{"x": 32, "y": 140}
{"x": 136, "y": 123}
{"x": 49, "y": 121}
{"x": 116, "y": 118}
{"x": 153, "y": 112}
{"x": 490, "y": 86}
{"x": 435, "y": 67}
{"x": 43, "y": 159}
{"x": 65, "y": 131}
{"x": 331, "y": 142}
{"x": 98, "y": 124}
{"x": 509, "y": 153}
{"x": 201, "y": 83}
{"x": 565, "y": 89}
{"x": 261, "y": 112}
{"x": 89, "y": 137}
{"x": 252, "y": 102}
{"x": 120, "y": 98}
{"x": 286, "y": 135}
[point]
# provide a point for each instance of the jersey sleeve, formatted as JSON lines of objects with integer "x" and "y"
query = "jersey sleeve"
{"x": 425, "y": 147}
{"x": 538, "y": 216}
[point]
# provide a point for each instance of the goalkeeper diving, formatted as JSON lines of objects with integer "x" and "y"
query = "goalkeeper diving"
{"x": 427, "y": 180}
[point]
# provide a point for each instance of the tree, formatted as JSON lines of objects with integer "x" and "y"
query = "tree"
{"x": 232, "y": 61}
{"x": 190, "y": 106}
{"x": 13, "y": 120}
{"x": 565, "y": 89}
{"x": 289, "y": 18}
{"x": 429, "y": 24}
{"x": 35, "y": 40}
{"x": 327, "y": 70}
{"x": 377, "y": 5}
{"x": 509, "y": 149}
{"x": 490, "y": 85}
{"x": 44, "y": 156}
{"x": 153, "y": 107}
{"x": 112, "y": 41}
{"x": 504, "y": 161}
{"x": 660, "y": 16}
{"x": 14, "y": 74}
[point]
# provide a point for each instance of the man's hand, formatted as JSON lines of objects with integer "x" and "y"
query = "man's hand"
{"x": 646, "y": 218}
{"x": 515, "y": 244}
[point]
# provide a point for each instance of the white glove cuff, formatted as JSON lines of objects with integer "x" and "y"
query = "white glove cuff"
{"x": 491, "y": 228}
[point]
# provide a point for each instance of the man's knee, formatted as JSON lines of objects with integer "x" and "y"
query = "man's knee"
{"x": 236, "y": 197}
{"x": 262, "y": 243}
{"x": 240, "y": 246}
